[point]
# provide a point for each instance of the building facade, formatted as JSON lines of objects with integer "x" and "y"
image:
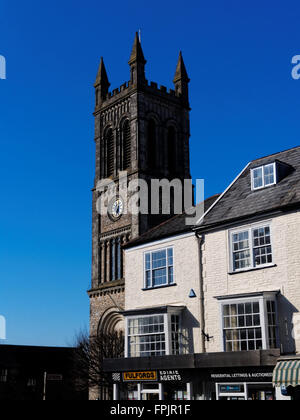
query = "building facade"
{"x": 212, "y": 312}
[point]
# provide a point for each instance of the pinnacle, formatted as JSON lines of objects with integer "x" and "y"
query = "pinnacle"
{"x": 102, "y": 75}
{"x": 181, "y": 73}
{"x": 137, "y": 54}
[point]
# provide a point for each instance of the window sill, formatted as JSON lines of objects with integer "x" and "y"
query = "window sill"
{"x": 263, "y": 188}
{"x": 252, "y": 269}
{"x": 159, "y": 287}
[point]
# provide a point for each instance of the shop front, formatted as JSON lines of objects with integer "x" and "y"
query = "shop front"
{"x": 209, "y": 376}
{"x": 153, "y": 385}
{"x": 242, "y": 384}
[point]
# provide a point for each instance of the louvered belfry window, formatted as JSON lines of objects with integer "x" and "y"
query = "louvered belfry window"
{"x": 126, "y": 145}
{"x": 110, "y": 158}
{"x": 151, "y": 144}
{"x": 171, "y": 150}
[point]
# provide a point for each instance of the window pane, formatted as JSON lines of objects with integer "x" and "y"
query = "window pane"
{"x": 241, "y": 321}
{"x": 269, "y": 174}
{"x": 159, "y": 277}
{"x": 227, "y": 322}
{"x": 148, "y": 261}
{"x": 248, "y": 308}
{"x": 241, "y": 308}
{"x": 241, "y": 260}
{"x": 257, "y": 177}
{"x": 170, "y": 275}
{"x": 226, "y": 310}
{"x": 170, "y": 256}
{"x": 159, "y": 259}
{"x": 262, "y": 249}
{"x": 256, "y": 307}
{"x": 148, "y": 279}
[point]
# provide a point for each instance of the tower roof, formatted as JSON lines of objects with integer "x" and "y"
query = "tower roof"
{"x": 137, "y": 54}
{"x": 102, "y": 75}
{"x": 181, "y": 73}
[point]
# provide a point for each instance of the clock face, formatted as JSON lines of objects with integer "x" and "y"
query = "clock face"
{"x": 116, "y": 208}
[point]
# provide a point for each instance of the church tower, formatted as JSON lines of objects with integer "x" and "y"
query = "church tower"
{"x": 142, "y": 129}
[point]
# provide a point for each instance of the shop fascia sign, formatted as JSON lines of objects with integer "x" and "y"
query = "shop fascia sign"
{"x": 241, "y": 375}
{"x": 148, "y": 376}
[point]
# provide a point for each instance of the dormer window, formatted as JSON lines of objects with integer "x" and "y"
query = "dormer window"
{"x": 264, "y": 176}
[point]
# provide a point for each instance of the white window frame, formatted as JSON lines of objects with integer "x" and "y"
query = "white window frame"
{"x": 263, "y": 176}
{"x": 250, "y": 229}
{"x": 167, "y": 330}
{"x": 167, "y": 266}
{"x": 263, "y": 317}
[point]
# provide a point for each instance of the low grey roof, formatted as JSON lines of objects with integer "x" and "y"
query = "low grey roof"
{"x": 243, "y": 295}
{"x": 241, "y": 202}
{"x": 174, "y": 226}
{"x": 151, "y": 310}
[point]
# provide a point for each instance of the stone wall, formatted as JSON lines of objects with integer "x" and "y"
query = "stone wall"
{"x": 284, "y": 276}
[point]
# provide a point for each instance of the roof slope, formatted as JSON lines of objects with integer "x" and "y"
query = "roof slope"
{"x": 240, "y": 201}
{"x": 174, "y": 226}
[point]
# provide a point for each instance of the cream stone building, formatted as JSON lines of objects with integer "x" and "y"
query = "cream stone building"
{"x": 212, "y": 312}
{"x": 251, "y": 266}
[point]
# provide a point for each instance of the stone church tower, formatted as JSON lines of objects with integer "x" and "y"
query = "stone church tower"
{"x": 142, "y": 129}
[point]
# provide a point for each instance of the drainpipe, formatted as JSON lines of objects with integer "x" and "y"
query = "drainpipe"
{"x": 200, "y": 240}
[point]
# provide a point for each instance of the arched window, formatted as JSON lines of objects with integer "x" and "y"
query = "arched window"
{"x": 151, "y": 144}
{"x": 115, "y": 259}
{"x": 119, "y": 259}
{"x": 126, "y": 146}
{"x": 171, "y": 149}
{"x": 110, "y": 152}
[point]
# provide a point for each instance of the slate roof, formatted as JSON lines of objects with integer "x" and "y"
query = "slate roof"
{"x": 239, "y": 201}
{"x": 174, "y": 226}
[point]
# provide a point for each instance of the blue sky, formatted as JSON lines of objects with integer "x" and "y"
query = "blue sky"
{"x": 244, "y": 102}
